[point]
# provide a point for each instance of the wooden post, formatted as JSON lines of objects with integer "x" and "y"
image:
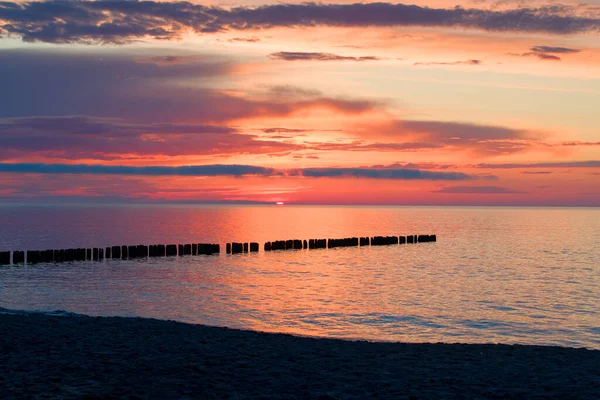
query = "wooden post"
{"x": 194, "y": 249}
{"x": 131, "y": 252}
{"x": 18, "y": 257}
{"x": 245, "y": 247}
{"x": 228, "y": 248}
{"x": 236, "y": 248}
{"x": 171, "y": 250}
{"x": 116, "y": 252}
{"x": 100, "y": 254}
{"x": 124, "y": 253}
{"x": 107, "y": 253}
{"x": 4, "y": 257}
{"x": 180, "y": 250}
{"x": 253, "y": 247}
{"x": 187, "y": 249}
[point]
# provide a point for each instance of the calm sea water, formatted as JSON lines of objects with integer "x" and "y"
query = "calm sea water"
{"x": 510, "y": 275}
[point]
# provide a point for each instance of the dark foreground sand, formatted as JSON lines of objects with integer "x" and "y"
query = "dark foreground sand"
{"x": 45, "y": 356}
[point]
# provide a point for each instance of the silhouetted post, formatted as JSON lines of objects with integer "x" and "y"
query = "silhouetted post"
{"x": 228, "y": 248}
{"x": 409, "y": 239}
{"x": 305, "y": 244}
{"x": 236, "y": 248}
{"x": 132, "y": 252}
{"x": 95, "y": 254}
{"x": 433, "y": 238}
{"x": 160, "y": 250}
{"x": 100, "y": 254}
{"x": 107, "y": 253}
{"x": 171, "y": 250}
{"x": 142, "y": 250}
{"x": 18, "y": 257}
{"x": 88, "y": 254}
{"x": 245, "y": 247}
{"x": 43, "y": 256}
{"x": 194, "y": 249}
{"x": 180, "y": 250}
{"x": 31, "y": 257}
{"x": 187, "y": 249}
{"x": 267, "y": 246}
{"x": 116, "y": 252}
{"x": 4, "y": 257}
{"x": 402, "y": 239}
{"x": 215, "y": 248}
{"x": 124, "y": 253}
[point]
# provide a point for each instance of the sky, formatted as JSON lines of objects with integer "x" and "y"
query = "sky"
{"x": 432, "y": 102}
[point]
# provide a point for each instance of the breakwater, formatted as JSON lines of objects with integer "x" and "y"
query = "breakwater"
{"x": 19, "y": 257}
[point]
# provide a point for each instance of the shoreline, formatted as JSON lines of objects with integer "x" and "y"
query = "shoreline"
{"x": 74, "y": 356}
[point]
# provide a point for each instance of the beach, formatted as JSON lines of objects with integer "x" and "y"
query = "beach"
{"x": 46, "y": 356}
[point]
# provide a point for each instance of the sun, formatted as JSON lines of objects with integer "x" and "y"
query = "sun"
{"x": 280, "y": 203}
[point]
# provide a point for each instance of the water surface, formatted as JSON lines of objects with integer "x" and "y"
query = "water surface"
{"x": 510, "y": 275}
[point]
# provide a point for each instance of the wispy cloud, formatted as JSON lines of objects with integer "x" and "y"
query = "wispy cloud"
{"x": 302, "y": 56}
{"x": 547, "y": 52}
{"x": 122, "y": 21}
{"x": 467, "y": 62}
{"x": 563, "y": 164}
{"x": 554, "y": 50}
{"x": 478, "y": 190}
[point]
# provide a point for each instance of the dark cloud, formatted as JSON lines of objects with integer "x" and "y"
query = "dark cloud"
{"x": 191, "y": 170}
{"x": 477, "y": 190}
{"x": 386, "y": 173}
{"x": 119, "y": 85}
{"x": 483, "y": 139}
{"x": 111, "y": 138}
{"x": 231, "y": 170}
{"x": 468, "y": 62}
{"x": 547, "y": 52}
{"x": 554, "y": 50}
{"x": 565, "y": 164}
{"x": 537, "y": 172}
{"x": 121, "y": 21}
{"x": 302, "y": 56}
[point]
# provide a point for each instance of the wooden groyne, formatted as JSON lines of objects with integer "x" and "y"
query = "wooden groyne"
{"x": 141, "y": 251}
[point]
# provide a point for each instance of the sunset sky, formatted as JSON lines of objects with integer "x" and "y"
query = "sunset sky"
{"x": 469, "y": 102}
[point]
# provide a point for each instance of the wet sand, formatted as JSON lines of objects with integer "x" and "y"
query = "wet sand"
{"x": 45, "y": 356}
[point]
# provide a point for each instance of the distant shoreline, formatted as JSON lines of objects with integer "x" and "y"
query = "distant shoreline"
{"x": 105, "y": 357}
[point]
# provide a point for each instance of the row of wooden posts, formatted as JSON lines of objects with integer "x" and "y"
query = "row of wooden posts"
{"x": 171, "y": 250}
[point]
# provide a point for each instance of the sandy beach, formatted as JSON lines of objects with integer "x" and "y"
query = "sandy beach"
{"x": 46, "y": 356}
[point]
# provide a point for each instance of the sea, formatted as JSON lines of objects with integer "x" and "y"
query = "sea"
{"x": 495, "y": 275}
